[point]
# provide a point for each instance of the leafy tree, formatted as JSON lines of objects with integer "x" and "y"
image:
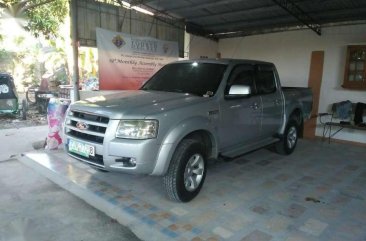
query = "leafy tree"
{"x": 43, "y": 16}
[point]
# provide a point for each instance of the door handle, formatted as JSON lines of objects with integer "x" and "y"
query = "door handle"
{"x": 277, "y": 101}
{"x": 254, "y": 106}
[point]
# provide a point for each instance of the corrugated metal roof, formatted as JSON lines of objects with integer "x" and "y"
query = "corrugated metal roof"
{"x": 229, "y": 18}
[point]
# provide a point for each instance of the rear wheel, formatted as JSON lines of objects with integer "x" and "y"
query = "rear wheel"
{"x": 31, "y": 94}
{"x": 187, "y": 171}
{"x": 42, "y": 107}
{"x": 23, "y": 110}
{"x": 288, "y": 142}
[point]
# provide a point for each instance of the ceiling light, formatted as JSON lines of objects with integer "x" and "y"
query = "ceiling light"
{"x": 141, "y": 10}
{"x": 138, "y": 9}
{"x": 126, "y": 4}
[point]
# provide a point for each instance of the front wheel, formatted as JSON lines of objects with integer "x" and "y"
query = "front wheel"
{"x": 187, "y": 171}
{"x": 288, "y": 142}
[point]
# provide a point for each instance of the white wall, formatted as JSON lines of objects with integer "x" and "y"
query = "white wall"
{"x": 201, "y": 47}
{"x": 291, "y": 53}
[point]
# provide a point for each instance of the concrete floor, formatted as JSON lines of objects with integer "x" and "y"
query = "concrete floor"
{"x": 16, "y": 141}
{"x": 317, "y": 193}
{"x": 35, "y": 209}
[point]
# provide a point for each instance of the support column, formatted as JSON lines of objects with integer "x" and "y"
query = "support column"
{"x": 75, "y": 49}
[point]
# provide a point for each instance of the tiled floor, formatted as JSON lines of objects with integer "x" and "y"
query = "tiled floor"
{"x": 317, "y": 193}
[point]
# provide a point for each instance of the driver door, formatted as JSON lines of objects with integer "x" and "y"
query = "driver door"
{"x": 240, "y": 121}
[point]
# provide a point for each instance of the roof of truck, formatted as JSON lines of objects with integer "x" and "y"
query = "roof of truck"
{"x": 224, "y": 61}
{"x": 5, "y": 74}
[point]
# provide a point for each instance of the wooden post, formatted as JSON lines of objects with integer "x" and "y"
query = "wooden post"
{"x": 314, "y": 82}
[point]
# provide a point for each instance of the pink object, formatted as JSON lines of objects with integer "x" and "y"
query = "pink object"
{"x": 56, "y": 110}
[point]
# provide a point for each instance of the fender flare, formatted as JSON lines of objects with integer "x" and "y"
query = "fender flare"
{"x": 176, "y": 135}
{"x": 289, "y": 110}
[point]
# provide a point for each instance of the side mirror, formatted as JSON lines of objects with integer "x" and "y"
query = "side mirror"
{"x": 239, "y": 91}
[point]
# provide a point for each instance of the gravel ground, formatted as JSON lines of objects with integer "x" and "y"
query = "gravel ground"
{"x": 34, "y": 118}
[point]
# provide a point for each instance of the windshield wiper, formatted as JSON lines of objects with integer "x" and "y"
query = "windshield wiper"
{"x": 182, "y": 91}
{"x": 174, "y": 91}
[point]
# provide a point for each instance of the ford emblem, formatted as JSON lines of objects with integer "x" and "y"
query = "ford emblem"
{"x": 82, "y": 125}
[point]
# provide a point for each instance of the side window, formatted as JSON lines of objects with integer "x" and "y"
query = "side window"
{"x": 265, "y": 79}
{"x": 241, "y": 75}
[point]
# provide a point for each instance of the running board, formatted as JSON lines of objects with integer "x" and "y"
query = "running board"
{"x": 242, "y": 149}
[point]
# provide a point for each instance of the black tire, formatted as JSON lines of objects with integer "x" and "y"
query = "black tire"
{"x": 179, "y": 174}
{"x": 42, "y": 108}
{"x": 288, "y": 142}
{"x": 31, "y": 95}
{"x": 23, "y": 110}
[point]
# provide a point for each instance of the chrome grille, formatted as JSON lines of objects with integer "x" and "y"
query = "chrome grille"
{"x": 90, "y": 117}
{"x": 95, "y": 126}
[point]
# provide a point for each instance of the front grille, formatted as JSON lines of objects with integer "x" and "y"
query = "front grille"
{"x": 97, "y": 159}
{"x": 84, "y": 136}
{"x": 94, "y": 129}
{"x": 91, "y": 117}
{"x": 99, "y": 129}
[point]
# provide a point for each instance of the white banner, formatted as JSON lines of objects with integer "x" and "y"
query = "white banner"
{"x": 127, "y": 61}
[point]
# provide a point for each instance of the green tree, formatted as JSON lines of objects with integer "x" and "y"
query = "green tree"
{"x": 43, "y": 16}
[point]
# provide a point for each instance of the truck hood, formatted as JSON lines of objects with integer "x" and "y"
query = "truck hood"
{"x": 136, "y": 103}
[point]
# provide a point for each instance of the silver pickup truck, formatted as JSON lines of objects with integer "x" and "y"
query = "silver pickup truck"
{"x": 187, "y": 113}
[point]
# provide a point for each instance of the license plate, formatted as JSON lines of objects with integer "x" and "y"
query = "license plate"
{"x": 81, "y": 148}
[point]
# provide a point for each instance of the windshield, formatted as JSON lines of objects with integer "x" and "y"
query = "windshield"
{"x": 201, "y": 79}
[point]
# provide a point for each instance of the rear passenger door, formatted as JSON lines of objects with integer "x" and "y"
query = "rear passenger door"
{"x": 272, "y": 99}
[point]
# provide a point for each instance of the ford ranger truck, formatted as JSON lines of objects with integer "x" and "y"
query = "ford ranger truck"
{"x": 185, "y": 114}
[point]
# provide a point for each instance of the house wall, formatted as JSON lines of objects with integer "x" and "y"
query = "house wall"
{"x": 291, "y": 53}
{"x": 201, "y": 47}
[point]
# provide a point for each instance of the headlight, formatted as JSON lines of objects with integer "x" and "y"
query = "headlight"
{"x": 137, "y": 129}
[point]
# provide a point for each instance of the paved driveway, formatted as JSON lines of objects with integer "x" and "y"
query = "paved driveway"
{"x": 317, "y": 193}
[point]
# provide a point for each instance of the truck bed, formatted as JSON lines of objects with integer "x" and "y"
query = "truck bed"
{"x": 302, "y": 95}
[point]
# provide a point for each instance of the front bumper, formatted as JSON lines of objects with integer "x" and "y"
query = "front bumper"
{"x": 113, "y": 155}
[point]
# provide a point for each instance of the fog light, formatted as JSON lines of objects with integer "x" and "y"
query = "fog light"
{"x": 127, "y": 161}
{"x": 133, "y": 162}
